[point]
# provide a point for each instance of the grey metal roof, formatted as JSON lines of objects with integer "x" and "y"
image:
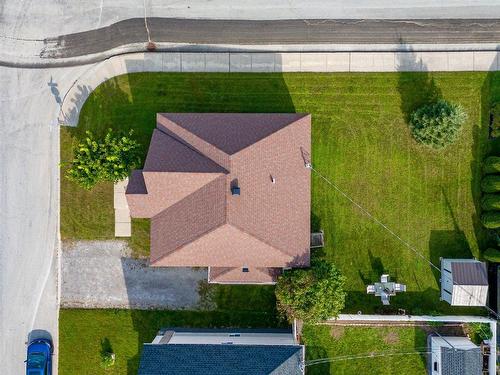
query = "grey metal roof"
{"x": 469, "y": 273}
{"x": 202, "y": 359}
{"x": 461, "y": 362}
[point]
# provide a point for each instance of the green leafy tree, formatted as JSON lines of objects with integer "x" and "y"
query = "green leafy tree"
{"x": 311, "y": 294}
{"x": 437, "y": 125}
{"x": 492, "y": 255}
{"x": 491, "y": 164}
{"x": 490, "y": 202}
{"x": 491, "y": 219}
{"x": 490, "y": 184}
{"x": 110, "y": 159}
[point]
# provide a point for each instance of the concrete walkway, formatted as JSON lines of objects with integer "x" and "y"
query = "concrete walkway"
{"x": 101, "y": 274}
{"x": 269, "y": 62}
{"x": 123, "y": 222}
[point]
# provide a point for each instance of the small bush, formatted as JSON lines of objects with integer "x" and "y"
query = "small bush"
{"x": 491, "y": 164}
{"x": 110, "y": 159}
{"x": 478, "y": 332}
{"x": 311, "y": 294}
{"x": 490, "y": 184}
{"x": 437, "y": 125}
{"x": 492, "y": 255}
{"x": 490, "y": 202}
{"x": 106, "y": 353}
{"x": 491, "y": 219}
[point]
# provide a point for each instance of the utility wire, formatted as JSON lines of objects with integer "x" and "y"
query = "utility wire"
{"x": 394, "y": 234}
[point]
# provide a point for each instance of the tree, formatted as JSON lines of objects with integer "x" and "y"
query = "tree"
{"x": 491, "y": 219}
{"x": 490, "y": 202}
{"x": 490, "y": 184}
{"x": 437, "y": 125}
{"x": 491, "y": 164}
{"x": 110, "y": 159}
{"x": 492, "y": 255}
{"x": 311, "y": 294}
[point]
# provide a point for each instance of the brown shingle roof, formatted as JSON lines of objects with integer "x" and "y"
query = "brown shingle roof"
{"x": 257, "y": 275}
{"x": 193, "y": 161}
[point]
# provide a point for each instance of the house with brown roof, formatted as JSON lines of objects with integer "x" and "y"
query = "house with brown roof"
{"x": 230, "y": 192}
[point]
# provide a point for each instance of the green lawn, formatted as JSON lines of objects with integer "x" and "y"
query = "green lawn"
{"x": 361, "y": 142}
{"x": 365, "y": 350}
{"x": 82, "y": 334}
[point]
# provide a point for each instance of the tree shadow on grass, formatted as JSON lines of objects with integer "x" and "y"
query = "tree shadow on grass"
{"x": 416, "y": 86}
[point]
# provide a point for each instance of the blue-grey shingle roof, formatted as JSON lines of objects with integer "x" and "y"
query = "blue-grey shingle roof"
{"x": 461, "y": 362}
{"x": 206, "y": 359}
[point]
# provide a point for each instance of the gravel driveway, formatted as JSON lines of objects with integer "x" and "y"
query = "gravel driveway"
{"x": 101, "y": 274}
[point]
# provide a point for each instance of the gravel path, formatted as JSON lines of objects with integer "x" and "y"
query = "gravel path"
{"x": 101, "y": 274}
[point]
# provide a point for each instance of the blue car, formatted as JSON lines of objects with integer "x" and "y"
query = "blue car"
{"x": 39, "y": 359}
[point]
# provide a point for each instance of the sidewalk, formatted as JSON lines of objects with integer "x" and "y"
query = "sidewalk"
{"x": 269, "y": 62}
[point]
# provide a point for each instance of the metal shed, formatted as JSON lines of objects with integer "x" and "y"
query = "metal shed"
{"x": 464, "y": 282}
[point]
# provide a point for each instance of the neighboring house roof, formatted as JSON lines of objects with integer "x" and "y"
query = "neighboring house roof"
{"x": 469, "y": 273}
{"x": 216, "y": 359}
{"x": 461, "y": 362}
{"x": 185, "y": 188}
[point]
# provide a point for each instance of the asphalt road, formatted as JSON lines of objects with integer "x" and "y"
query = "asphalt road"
{"x": 296, "y": 32}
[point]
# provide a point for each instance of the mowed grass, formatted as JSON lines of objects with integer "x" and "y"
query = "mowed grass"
{"x": 361, "y": 143}
{"x": 82, "y": 334}
{"x": 365, "y": 350}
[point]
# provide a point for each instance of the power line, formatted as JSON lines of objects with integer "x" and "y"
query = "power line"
{"x": 394, "y": 234}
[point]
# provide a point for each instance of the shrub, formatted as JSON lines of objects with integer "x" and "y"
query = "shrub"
{"x": 492, "y": 255}
{"x": 490, "y": 184}
{"x": 311, "y": 294}
{"x": 109, "y": 159}
{"x": 491, "y": 219}
{"x": 490, "y": 202}
{"x": 478, "y": 332}
{"x": 437, "y": 125}
{"x": 491, "y": 164}
{"x": 106, "y": 353}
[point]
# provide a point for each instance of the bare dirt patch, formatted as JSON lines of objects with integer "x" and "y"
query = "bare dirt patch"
{"x": 391, "y": 338}
{"x": 337, "y": 332}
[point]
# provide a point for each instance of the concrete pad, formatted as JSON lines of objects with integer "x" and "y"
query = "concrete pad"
{"x": 122, "y": 215}
{"x": 434, "y": 61}
{"x": 240, "y": 62}
{"x": 192, "y": 62}
{"x": 217, "y": 62}
{"x": 338, "y": 61}
{"x": 171, "y": 62}
{"x": 372, "y": 62}
{"x": 123, "y": 229}
{"x": 262, "y": 62}
{"x": 461, "y": 61}
{"x": 104, "y": 274}
{"x": 121, "y": 186}
{"x": 134, "y": 63}
{"x": 313, "y": 62}
{"x": 407, "y": 62}
{"x": 486, "y": 61}
{"x": 153, "y": 62}
{"x": 120, "y": 201}
{"x": 287, "y": 62}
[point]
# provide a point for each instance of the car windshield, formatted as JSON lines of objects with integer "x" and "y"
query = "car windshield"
{"x": 36, "y": 360}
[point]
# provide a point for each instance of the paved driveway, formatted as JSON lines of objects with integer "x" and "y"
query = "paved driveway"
{"x": 102, "y": 274}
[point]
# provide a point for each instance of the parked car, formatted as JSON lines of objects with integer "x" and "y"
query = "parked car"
{"x": 39, "y": 357}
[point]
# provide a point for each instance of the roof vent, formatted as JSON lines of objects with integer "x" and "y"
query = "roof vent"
{"x": 235, "y": 190}
{"x": 245, "y": 269}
